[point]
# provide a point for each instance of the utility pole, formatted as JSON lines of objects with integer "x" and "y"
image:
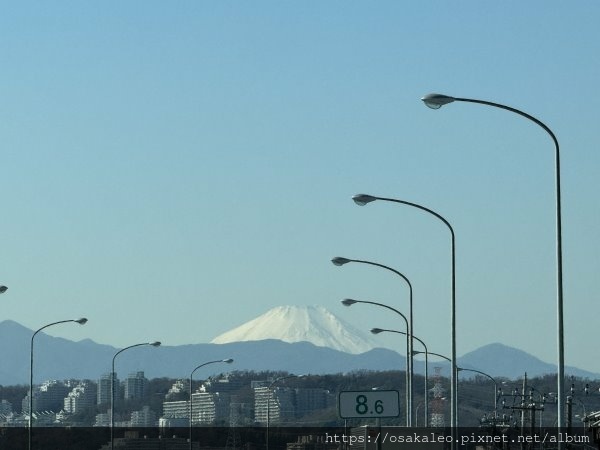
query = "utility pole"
{"x": 527, "y": 406}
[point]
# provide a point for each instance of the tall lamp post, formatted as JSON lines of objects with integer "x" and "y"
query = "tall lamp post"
{"x": 363, "y": 199}
{"x": 81, "y": 321}
{"x": 273, "y": 383}
{"x": 340, "y": 261}
{"x": 436, "y": 101}
{"x": 426, "y": 398}
{"x": 228, "y": 361}
{"x": 350, "y": 302}
{"x": 112, "y": 388}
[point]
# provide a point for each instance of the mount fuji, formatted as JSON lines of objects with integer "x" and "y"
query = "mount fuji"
{"x": 313, "y": 324}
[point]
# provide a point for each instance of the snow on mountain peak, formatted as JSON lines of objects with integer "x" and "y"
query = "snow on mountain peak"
{"x": 313, "y": 324}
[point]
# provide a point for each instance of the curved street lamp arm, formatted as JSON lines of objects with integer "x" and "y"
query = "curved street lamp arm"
{"x": 421, "y": 342}
{"x": 493, "y": 381}
{"x": 481, "y": 373}
{"x": 56, "y": 323}
{"x": 421, "y": 207}
{"x": 385, "y": 306}
{"x": 516, "y": 111}
{"x": 441, "y": 356}
{"x": 127, "y": 348}
{"x": 371, "y": 263}
{"x": 207, "y": 363}
{"x": 379, "y": 330}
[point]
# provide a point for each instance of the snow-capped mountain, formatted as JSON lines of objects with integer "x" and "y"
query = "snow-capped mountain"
{"x": 313, "y": 324}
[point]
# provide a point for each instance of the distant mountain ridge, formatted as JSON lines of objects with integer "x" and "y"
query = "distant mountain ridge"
{"x": 58, "y": 358}
{"x": 501, "y": 360}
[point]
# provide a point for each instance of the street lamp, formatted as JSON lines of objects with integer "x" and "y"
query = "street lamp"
{"x": 228, "y": 361}
{"x": 436, "y": 101}
{"x": 3, "y": 289}
{"x": 340, "y": 261}
{"x": 112, "y": 388}
{"x": 495, "y": 386}
{"x": 275, "y": 381}
{"x": 350, "y": 302}
{"x": 426, "y": 401}
{"x": 439, "y": 355}
{"x": 80, "y": 321}
{"x": 363, "y": 199}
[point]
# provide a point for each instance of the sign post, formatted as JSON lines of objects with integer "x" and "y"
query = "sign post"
{"x": 376, "y": 404}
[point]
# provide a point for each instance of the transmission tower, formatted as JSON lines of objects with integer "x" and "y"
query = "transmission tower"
{"x": 438, "y": 416}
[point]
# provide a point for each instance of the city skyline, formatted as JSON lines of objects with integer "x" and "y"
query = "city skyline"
{"x": 172, "y": 172}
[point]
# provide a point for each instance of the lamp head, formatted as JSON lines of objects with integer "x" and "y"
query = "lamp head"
{"x": 363, "y": 199}
{"x": 339, "y": 261}
{"x": 436, "y": 101}
{"x": 3, "y": 289}
{"x": 228, "y": 360}
{"x": 81, "y": 321}
{"x": 154, "y": 344}
{"x": 348, "y": 302}
{"x": 376, "y": 330}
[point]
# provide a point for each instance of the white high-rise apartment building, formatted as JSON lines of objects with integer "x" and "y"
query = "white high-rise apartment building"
{"x": 176, "y": 410}
{"x": 210, "y": 407}
{"x": 278, "y": 404}
{"x": 81, "y": 396}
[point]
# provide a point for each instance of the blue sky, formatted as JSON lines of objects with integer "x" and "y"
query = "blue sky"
{"x": 173, "y": 170}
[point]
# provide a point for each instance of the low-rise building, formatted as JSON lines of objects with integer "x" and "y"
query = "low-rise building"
{"x": 143, "y": 418}
{"x": 49, "y": 396}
